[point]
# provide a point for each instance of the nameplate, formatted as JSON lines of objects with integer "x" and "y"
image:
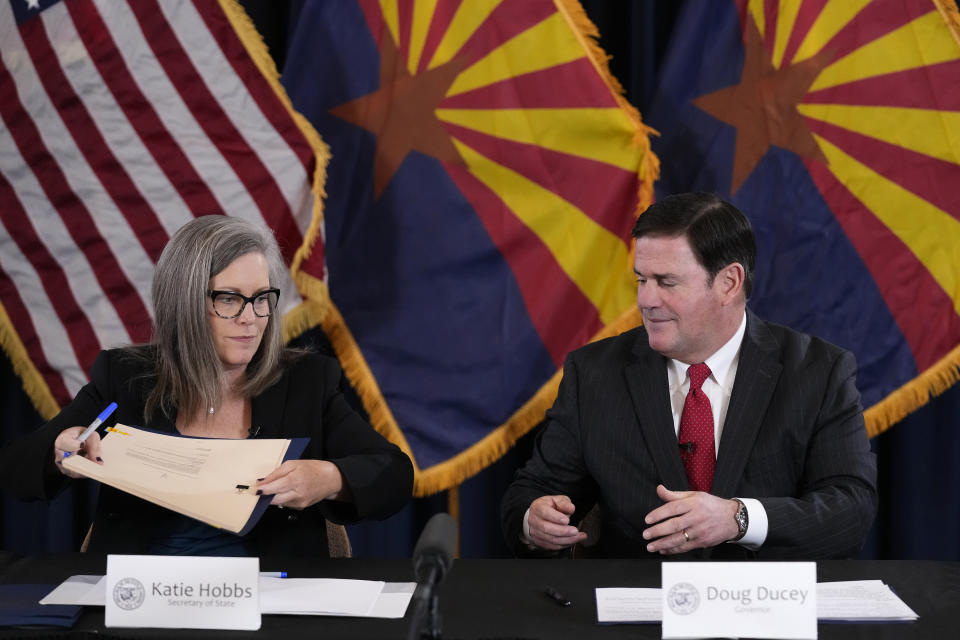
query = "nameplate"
{"x": 740, "y": 600}
{"x": 182, "y": 592}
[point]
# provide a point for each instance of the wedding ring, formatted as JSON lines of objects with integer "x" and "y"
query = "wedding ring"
{"x": 685, "y": 536}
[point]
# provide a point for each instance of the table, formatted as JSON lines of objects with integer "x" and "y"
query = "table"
{"x": 499, "y": 599}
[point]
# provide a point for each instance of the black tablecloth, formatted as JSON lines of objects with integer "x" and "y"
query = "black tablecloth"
{"x": 493, "y": 599}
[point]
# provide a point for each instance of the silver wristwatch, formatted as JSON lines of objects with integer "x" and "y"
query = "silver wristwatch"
{"x": 742, "y": 520}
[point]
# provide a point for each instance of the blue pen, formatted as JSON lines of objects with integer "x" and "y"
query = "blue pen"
{"x": 96, "y": 423}
{"x": 273, "y": 574}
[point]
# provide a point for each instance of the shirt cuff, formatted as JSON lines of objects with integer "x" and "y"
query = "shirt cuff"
{"x": 757, "y": 524}
{"x": 525, "y": 533}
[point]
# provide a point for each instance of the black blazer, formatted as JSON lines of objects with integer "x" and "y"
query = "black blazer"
{"x": 305, "y": 402}
{"x": 793, "y": 438}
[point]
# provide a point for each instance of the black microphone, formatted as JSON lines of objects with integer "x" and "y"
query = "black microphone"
{"x": 432, "y": 558}
{"x": 688, "y": 448}
{"x": 434, "y": 552}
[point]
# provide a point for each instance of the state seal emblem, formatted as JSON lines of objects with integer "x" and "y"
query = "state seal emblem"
{"x": 128, "y": 593}
{"x": 683, "y": 598}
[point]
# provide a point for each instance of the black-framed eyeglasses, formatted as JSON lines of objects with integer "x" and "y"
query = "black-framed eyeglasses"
{"x": 230, "y": 304}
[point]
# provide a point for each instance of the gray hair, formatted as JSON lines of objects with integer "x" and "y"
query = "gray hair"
{"x": 188, "y": 369}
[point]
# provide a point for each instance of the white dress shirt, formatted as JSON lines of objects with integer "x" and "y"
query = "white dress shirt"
{"x": 718, "y": 387}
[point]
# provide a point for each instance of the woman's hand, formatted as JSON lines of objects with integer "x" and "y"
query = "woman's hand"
{"x": 67, "y": 442}
{"x": 297, "y": 484}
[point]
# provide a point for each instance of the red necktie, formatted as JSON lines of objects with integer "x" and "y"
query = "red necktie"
{"x": 696, "y": 432}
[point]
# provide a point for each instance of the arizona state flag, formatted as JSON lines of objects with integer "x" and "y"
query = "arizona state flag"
{"x": 835, "y": 126}
{"x": 485, "y": 175}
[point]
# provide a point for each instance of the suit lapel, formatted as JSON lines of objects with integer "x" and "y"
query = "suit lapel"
{"x": 266, "y": 411}
{"x": 757, "y": 375}
{"x": 646, "y": 379}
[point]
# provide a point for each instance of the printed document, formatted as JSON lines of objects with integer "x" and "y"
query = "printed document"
{"x": 210, "y": 479}
{"x": 860, "y": 601}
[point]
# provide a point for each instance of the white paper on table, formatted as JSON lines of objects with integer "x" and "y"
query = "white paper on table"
{"x": 634, "y": 605}
{"x": 89, "y": 591}
{"x": 318, "y": 596}
{"x": 393, "y": 600}
{"x": 390, "y": 600}
{"x": 391, "y": 603}
{"x": 861, "y": 601}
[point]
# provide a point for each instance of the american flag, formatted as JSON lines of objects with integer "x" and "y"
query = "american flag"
{"x": 119, "y": 122}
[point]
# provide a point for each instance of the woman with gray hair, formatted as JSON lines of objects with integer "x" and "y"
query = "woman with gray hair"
{"x": 217, "y": 368}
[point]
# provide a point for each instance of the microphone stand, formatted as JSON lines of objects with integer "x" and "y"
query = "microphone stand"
{"x": 425, "y": 623}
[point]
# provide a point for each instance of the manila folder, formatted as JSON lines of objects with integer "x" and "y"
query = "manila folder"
{"x": 210, "y": 479}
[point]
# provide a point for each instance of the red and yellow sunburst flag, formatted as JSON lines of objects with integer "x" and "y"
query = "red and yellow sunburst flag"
{"x": 485, "y": 175}
{"x": 835, "y": 125}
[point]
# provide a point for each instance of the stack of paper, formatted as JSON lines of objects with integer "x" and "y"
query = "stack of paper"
{"x": 850, "y": 601}
{"x": 860, "y": 601}
{"x": 629, "y": 605}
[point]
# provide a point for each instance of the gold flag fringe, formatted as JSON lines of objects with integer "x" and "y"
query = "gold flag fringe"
{"x": 33, "y": 383}
{"x": 914, "y": 394}
{"x": 951, "y": 16}
{"x": 491, "y": 447}
{"x": 358, "y": 372}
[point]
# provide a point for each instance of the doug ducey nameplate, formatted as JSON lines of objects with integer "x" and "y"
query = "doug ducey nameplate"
{"x": 740, "y": 600}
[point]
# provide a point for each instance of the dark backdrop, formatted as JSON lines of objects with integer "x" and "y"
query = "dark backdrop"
{"x": 918, "y": 518}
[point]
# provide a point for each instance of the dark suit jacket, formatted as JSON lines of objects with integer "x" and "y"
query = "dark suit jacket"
{"x": 305, "y": 402}
{"x": 793, "y": 438}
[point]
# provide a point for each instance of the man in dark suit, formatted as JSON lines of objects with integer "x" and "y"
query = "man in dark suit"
{"x": 706, "y": 425}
